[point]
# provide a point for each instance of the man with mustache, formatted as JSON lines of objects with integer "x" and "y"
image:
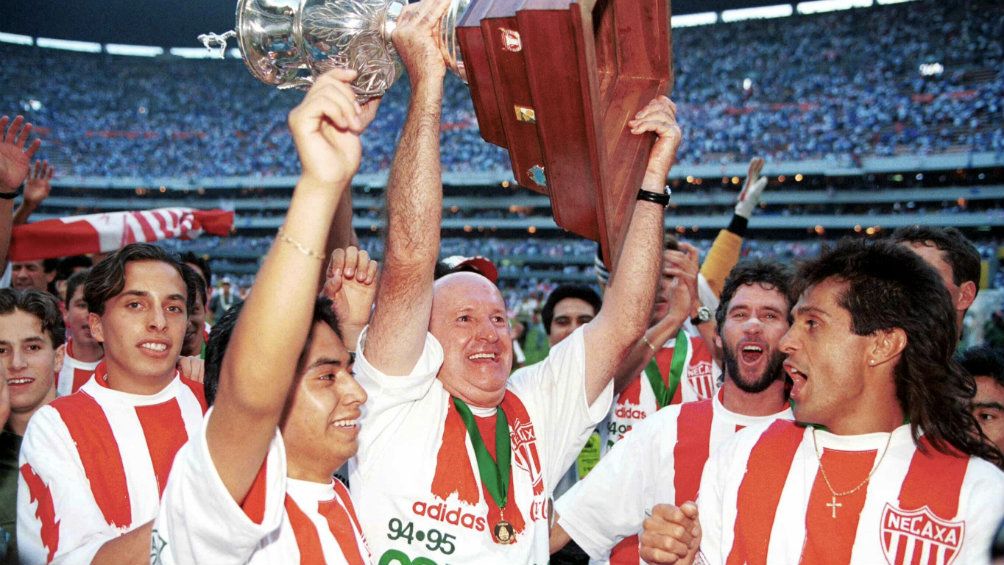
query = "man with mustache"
{"x": 662, "y": 458}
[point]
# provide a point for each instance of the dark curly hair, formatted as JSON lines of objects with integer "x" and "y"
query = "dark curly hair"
{"x": 768, "y": 274}
{"x": 889, "y": 286}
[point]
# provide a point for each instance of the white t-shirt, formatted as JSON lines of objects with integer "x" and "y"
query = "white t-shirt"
{"x": 637, "y": 401}
{"x": 282, "y": 520}
{"x": 421, "y": 496}
{"x": 660, "y": 461}
{"x": 94, "y": 464}
{"x": 74, "y": 372}
{"x": 764, "y": 500}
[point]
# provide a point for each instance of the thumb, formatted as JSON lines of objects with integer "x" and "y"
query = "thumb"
{"x": 689, "y": 509}
{"x": 757, "y": 188}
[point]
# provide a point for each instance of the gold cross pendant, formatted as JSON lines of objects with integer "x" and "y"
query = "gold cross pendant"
{"x": 833, "y": 505}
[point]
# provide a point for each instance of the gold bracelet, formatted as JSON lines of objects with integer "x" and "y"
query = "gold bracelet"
{"x": 644, "y": 339}
{"x": 299, "y": 246}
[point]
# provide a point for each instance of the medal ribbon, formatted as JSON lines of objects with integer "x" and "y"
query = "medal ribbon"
{"x": 494, "y": 474}
{"x": 664, "y": 394}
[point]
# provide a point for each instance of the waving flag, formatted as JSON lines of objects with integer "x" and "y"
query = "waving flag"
{"x": 102, "y": 233}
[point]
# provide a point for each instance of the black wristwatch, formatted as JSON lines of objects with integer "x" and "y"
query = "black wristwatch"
{"x": 12, "y": 195}
{"x": 661, "y": 199}
{"x": 703, "y": 315}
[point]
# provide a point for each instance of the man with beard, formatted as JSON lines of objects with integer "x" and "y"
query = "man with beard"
{"x": 657, "y": 463}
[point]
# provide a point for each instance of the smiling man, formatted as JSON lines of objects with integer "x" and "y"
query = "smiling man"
{"x": 83, "y": 352}
{"x": 662, "y": 458}
{"x": 456, "y": 461}
{"x": 31, "y": 350}
{"x": 94, "y": 463}
{"x": 242, "y": 490}
{"x": 888, "y": 466}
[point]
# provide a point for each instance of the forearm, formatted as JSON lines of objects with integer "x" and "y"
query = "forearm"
{"x": 6, "y": 225}
{"x": 129, "y": 548}
{"x": 723, "y": 255}
{"x": 640, "y": 355}
{"x": 23, "y": 212}
{"x": 260, "y": 362}
{"x": 414, "y": 214}
{"x": 708, "y": 331}
{"x": 628, "y": 300}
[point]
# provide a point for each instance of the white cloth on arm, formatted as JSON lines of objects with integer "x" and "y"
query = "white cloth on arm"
{"x": 402, "y": 432}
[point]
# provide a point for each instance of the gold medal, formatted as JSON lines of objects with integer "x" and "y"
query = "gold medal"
{"x": 503, "y": 533}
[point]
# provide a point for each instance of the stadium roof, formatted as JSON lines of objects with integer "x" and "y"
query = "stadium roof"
{"x": 174, "y": 23}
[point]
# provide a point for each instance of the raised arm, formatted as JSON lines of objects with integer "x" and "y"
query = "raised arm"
{"x": 724, "y": 252}
{"x": 15, "y": 160}
{"x": 630, "y": 294}
{"x": 259, "y": 364}
{"x": 36, "y": 190}
{"x": 400, "y": 321}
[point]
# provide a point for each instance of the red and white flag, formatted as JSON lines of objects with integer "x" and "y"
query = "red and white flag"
{"x": 103, "y": 233}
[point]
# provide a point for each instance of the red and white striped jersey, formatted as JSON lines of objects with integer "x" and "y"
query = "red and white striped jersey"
{"x": 282, "y": 520}
{"x": 74, "y": 372}
{"x": 764, "y": 500}
{"x": 638, "y": 401}
{"x": 660, "y": 461}
{"x": 94, "y": 464}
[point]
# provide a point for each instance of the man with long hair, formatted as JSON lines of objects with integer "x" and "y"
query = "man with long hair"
{"x": 886, "y": 464}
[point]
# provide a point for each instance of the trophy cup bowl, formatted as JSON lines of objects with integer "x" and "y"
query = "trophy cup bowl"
{"x": 288, "y": 43}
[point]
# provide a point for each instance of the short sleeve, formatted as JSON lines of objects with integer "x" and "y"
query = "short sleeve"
{"x": 555, "y": 390}
{"x": 199, "y": 522}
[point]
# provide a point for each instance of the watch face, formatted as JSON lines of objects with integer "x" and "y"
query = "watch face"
{"x": 704, "y": 313}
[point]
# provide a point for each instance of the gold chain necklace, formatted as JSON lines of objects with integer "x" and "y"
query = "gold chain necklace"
{"x": 833, "y": 505}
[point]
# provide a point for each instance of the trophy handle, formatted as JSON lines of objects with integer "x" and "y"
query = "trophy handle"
{"x": 216, "y": 43}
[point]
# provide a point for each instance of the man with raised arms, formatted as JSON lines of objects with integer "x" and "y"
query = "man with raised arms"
{"x": 456, "y": 461}
{"x": 240, "y": 491}
{"x": 662, "y": 458}
{"x": 889, "y": 465}
{"x": 94, "y": 463}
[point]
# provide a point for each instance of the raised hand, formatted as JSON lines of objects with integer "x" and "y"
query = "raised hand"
{"x": 15, "y": 160}
{"x": 39, "y": 183}
{"x": 658, "y": 117}
{"x": 416, "y": 38}
{"x": 351, "y": 283}
{"x": 326, "y": 127}
{"x": 753, "y": 188}
{"x": 671, "y": 534}
{"x": 683, "y": 266}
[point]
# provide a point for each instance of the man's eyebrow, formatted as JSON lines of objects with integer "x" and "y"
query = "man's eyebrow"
{"x": 325, "y": 361}
{"x": 991, "y": 405}
{"x": 811, "y": 310}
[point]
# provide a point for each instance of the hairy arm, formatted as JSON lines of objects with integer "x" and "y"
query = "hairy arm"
{"x": 414, "y": 201}
{"x": 259, "y": 366}
{"x": 631, "y": 292}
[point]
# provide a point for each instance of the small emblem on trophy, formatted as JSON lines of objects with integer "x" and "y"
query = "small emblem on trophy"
{"x": 510, "y": 40}
{"x": 525, "y": 114}
{"x": 537, "y": 175}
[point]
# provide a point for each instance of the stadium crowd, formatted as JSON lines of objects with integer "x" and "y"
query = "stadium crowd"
{"x": 403, "y": 399}
{"x": 842, "y": 86}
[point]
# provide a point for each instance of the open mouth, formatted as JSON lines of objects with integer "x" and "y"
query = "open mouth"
{"x": 154, "y": 346}
{"x": 751, "y": 353}
{"x": 483, "y": 357}
{"x": 15, "y": 381}
{"x": 345, "y": 424}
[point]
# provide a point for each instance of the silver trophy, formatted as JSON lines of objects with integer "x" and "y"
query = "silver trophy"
{"x": 287, "y": 43}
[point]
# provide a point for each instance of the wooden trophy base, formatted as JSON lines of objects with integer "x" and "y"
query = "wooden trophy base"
{"x": 555, "y": 82}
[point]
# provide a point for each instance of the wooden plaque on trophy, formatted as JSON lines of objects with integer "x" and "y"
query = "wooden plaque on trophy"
{"x": 555, "y": 82}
